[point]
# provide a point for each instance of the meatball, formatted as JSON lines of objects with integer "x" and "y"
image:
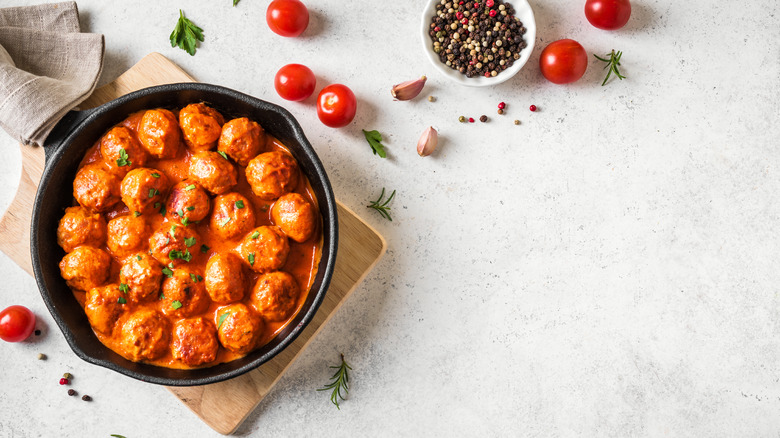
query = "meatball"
{"x": 213, "y": 172}
{"x": 171, "y": 243}
{"x": 272, "y": 174}
{"x": 103, "y": 306}
{"x": 96, "y": 189}
{"x": 80, "y": 227}
{"x": 225, "y": 279}
{"x": 264, "y": 249}
{"x": 121, "y": 151}
{"x": 144, "y": 188}
{"x": 159, "y": 133}
{"x": 195, "y": 341}
{"x": 86, "y": 267}
{"x": 201, "y": 126}
{"x": 239, "y": 328}
{"x": 233, "y": 216}
{"x": 275, "y": 296}
{"x": 126, "y": 234}
{"x": 242, "y": 139}
{"x": 188, "y": 200}
{"x": 295, "y": 216}
{"x": 145, "y": 335}
{"x": 142, "y": 274}
{"x": 184, "y": 293}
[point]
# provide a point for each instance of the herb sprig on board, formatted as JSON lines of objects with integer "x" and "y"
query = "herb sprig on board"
{"x": 186, "y": 35}
{"x": 339, "y": 381}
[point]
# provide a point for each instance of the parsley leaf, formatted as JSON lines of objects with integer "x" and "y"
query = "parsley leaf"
{"x": 185, "y": 221}
{"x": 124, "y": 288}
{"x": 121, "y": 300}
{"x": 224, "y": 155}
{"x": 186, "y": 35}
{"x": 193, "y": 277}
{"x": 153, "y": 193}
{"x": 255, "y": 235}
{"x": 136, "y": 213}
{"x": 251, "y": 259}
{"x": 156, "y": 175}
{"x": 189, "y": 242}
{"x": 190, "y": 187}
{"x": 168, "y": 273}
{"x": 204, "y": 249}
{"x": 124, "y": 159}
{"x": 138, "y": 257}
{"x": 374, "y": 139}
{"x": 176, "y": 305}
{"x": 190, "y": 208}
{"x": 239, "y": 204}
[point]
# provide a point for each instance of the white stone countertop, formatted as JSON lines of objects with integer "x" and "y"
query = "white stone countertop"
{"x": 606, "y": 268}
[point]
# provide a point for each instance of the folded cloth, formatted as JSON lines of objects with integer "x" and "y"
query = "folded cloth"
{"x": 47, "y": 67}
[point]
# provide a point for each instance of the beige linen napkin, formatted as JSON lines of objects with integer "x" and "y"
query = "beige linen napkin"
{"x": 47, "y": 67}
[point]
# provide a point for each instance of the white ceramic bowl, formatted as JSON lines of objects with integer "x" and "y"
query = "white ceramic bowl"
{"x": 523, "y": 11}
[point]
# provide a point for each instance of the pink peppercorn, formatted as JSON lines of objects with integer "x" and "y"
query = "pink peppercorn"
{"x": 471, "y": 119}
{"x": 532, "y": 108}
{"x": 63, "y": 381}
{"x": 490, "y": 3}
{"x": 437, "y": 28}
{"x": 476, "y": 5}
{"x": 487, "y": 74}
{"x": 459, "y": 15}
{"x": 464, "y": 20}
{"x": 501, "y": 105}
{"x": 493, "y": 12}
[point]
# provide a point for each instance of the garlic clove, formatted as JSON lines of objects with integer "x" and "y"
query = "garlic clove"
{"x": 409, "y": 89}
{"x": 428, "y": 142}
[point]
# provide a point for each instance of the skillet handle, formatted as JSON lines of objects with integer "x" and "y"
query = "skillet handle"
{"x": 62, "y": 130}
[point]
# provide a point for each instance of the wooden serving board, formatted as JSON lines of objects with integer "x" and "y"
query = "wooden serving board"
{"x": 223, "y": 406}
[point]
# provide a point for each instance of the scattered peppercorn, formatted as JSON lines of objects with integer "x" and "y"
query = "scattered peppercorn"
{"x": 500, "y": 111}
{"x": 462, "y": 119}
{"x": 67, "y": 376}
{"x": 501, "y": 105}
{"x": 37, "y": 333}
{"x": 63, "y": 381}
{"x": 41, "y": 356}
{"x": 477, "y": 39}
{"x": 532, "y": 108}
{"x": 71, "y": 392}
{"x": 517, "y": 122}
{"x": 86, "y": 398}
{"x": 471, "y": 119}
{"x": 431, "y": 99}
{"x": 483, "y": 118}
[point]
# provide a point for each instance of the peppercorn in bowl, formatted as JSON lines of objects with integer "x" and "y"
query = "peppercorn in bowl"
{"x": 478, "y": 43}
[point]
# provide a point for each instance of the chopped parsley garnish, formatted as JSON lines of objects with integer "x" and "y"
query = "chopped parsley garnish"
{"x": 226, "y": 221}
{"x": 168, "y": 273}
{"x": 162, "y": 210}
{"x": 180, "y": 213}
{"x": 224, "y": 155}
{"x": 176, "y": 305}
{"x": 173, "y": 231}
{"x": 195, "y": 278}
{"x": 124, "y": 159}
{"x": 185, "y": 221}
{"x": 138, "y": 257}
{"x": 190, "y": 187}
{"x": 124, "y": 288}
{"x": 255, "y": 235}
{"x": 190, "y": 208}
{"x": 204, "y": 249}
{"x": 153, "y": 193}
{"x": 162, "y": 295}
{"x": 156, "y": 175}
{"x": 239, "y": 204}
{"x": 222, "y": 319}
{"x": 251, "y": 259}
{"x": 121, "y": 300}
{"x": 189, "y": 242}
{"x": 136, "y": 213}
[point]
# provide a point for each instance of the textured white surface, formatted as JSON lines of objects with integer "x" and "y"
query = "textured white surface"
{"x": 606, "y": 268}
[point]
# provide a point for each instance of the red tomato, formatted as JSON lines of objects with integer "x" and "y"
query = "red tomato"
{"x": 295, "y": 82}
{"x": 287, "y": 18}
{"x": 16, "y": 323}
{"x": 608, "y": 14}
{"x": 563, "y": 61}
{"x": 336, "y": 105}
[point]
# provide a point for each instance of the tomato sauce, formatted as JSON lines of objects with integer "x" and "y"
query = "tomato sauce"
{"x": 302, "y": 261}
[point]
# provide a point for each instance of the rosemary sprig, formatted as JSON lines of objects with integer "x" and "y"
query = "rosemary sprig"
{"x": 339, "y": 380}
{"x": 612, "y": 64}
{"x": 382, "y": 207}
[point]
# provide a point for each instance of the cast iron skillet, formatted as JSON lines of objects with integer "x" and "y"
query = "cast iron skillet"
{"x": 66, "y": 147}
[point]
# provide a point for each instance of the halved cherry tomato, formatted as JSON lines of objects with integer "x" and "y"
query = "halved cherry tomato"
{"x": 288, "y": 18}
{"x": 336, "y": 105}
{"x": 295, "y": 82}
{"x": 16, "y": 323}
{"x": 608, "y": 14}
{"x": 563, "y": 61}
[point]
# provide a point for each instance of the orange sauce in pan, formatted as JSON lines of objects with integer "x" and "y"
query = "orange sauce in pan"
{"x": 302, "y": 261}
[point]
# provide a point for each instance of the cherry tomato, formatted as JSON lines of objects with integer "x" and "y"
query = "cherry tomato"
{"x": 16, "y": 323}
{"x": 608, "y": 14}
{"x": 295, "y": 82}
{"x": 287, "y": 18}
{"x": 336, "y": 105}
{"x": 563, "y": 61}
